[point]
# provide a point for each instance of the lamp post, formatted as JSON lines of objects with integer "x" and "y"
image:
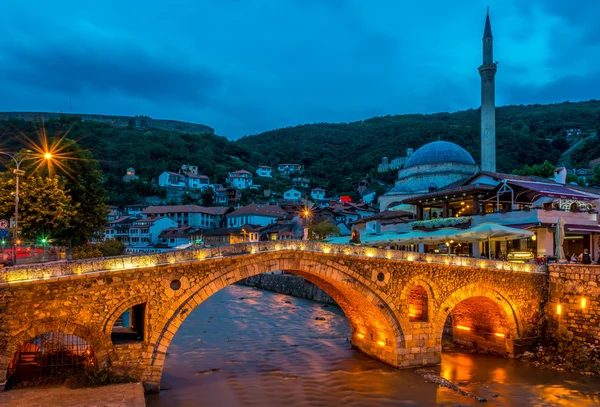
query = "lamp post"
{"x": 18, "y": 172}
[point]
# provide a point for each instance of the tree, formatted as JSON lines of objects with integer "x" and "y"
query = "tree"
{"x": 45, "y": 207}
{"x": 322, "y": 230}
{"x": 83, "y": 179}
{"x": 208, "y": 197}
{"x": 545, "y": 170}
{"x": 595, "y": 178}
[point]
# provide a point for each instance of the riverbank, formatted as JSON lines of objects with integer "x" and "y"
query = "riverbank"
{"x": 116, "y": 395}
{"x": 289, "y": 284}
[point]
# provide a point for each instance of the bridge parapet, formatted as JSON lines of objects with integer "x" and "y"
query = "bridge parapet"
{"x": 44, "y": 271}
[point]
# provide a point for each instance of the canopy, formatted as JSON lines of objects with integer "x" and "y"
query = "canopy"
{"x": 184, "y": 246}
{"x": 487, "y": 231}
{"x": 553, "y": 190}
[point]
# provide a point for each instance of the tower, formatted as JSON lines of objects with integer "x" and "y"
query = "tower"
{"x": 487, "y": 71}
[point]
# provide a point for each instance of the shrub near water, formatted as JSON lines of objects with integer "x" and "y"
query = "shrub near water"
{"x": 96, "y": 377}
{"x": 107, "y": 249}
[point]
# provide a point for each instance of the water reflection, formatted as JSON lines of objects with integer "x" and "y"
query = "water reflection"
{"x": 247, "y": 347}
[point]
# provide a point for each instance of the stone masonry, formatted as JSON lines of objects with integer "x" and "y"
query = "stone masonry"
{"x": 373, "y": 288}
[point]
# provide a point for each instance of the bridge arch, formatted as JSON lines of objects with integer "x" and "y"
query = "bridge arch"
{"x": 97, "y": 342}
{"x": 483, "y": 307}
{"x": 376, "y": 329}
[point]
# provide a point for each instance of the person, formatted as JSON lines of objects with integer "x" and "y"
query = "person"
{"x": 573, "y": 258}
{"x": 585, "y": 257}
{"x": 355, "y": 238}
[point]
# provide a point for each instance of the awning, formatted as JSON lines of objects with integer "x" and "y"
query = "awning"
{"x": 554, "y": 190}
{"x": 583, "y": 228}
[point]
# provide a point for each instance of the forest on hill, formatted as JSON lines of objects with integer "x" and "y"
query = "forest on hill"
{"x": 525, "y": 135}
{"x": 333, "y": 154}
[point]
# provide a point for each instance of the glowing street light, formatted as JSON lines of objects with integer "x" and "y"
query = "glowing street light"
{"x": 48, "y": 156}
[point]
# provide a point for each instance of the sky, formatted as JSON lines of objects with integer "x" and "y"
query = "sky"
{"x": 248, "y": 66}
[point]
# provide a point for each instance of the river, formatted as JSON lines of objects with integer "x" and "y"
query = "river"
{"x": 248, "y": 347}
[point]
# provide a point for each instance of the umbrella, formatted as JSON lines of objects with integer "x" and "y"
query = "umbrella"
{"x": 559, "y": 236}
{"x": 489, "y": 231}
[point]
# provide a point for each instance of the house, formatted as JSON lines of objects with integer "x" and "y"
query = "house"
{"x": 170, "y": 179}
{"x": 292, "y": 195}
{"x": 317, "y": 194}
{"x": 175, "y": 237}
{"x": 118, "y": 229}
{"x": 287, "y": 169}
{"x": 362, "y": 185}
{"x": 301, "y": 182}
{"x": 255, "y": 214}
{"x": 221, "y": 196}
{"x": 189, "y": 215}
{"x": 282, "y": 230}
{"x": 226, "y": 236}
{"x": 135, "y": 209}
{"x": 264, "y": 171}
{"x": 189, "y": 169}
{"x": 241, "y": 179}
{"x": 233, "y": 196}
{"x": 144, "y": 233}
{"x": 130, "y": 175}
{"x": 195, "y": 181}
{"x": 112, "y": 213}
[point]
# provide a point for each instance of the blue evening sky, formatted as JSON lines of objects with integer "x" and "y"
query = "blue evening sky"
{"x": 247, "y": 66}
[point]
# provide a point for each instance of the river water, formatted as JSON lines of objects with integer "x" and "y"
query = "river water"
{"x": 248, "y": 347}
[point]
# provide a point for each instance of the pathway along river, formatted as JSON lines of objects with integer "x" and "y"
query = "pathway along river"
{"x": 248, "y": 347}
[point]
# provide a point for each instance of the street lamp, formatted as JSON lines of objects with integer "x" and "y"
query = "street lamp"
{"x": 18, "y": 172}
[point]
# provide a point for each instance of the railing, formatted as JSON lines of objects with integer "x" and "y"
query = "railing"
{"x": 65, "y": 268}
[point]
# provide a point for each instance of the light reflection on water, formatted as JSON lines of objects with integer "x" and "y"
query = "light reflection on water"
{"x": 268, "y": 350}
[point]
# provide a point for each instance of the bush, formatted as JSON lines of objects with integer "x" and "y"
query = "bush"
{"x": 110, "y": 248}
{"x": 96, "y": 377}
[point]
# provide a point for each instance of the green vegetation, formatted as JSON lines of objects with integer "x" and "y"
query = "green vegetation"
{"x": 323, "y": 230}
{"x": 595, "y": 178}
{"x": 107, "y": 249}
{"x": 334, "y": 155}
{"x": 95, "y": 377}
{"x": 45, "y": 207}
{"x": 545, "y": 170}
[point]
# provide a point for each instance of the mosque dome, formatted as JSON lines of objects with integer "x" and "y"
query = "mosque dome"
{"x": 439, "y": 152}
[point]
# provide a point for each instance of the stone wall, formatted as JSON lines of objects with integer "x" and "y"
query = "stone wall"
{"x": 289, "y": 284}
{"x": 576, "y": 289}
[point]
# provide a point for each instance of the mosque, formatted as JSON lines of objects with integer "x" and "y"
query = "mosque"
{"x": 441, "y": 163}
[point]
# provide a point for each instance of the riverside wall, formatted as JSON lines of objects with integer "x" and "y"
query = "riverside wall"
{"x": 288, "y": 284}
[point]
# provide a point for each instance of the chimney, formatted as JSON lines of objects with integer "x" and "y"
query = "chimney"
{"x": 560, "y": 175}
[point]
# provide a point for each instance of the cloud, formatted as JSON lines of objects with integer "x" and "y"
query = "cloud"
{"x": 246, "y": 66}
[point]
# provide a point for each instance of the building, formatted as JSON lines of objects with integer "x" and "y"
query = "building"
{"x": 175, "y": 237}
{"x": 170, "y": 179}
{"x": 487, "y": 71}
{"x": 144, "y": 233}
{"x": 118, "y": 229}
{"x": 233, "y": 196}
{"x": 395, "y": 164}
{"x": 189, "y": 215}
{"x": 292, "y": 195}
{"x": 135, "y": 209}
{"x": 264, "y": 171}
{"x": 287, "y": 169}
{"x": 221, "y": 196}
{"x": 112, "y": 213}
{"x": 200, "y": 182}
{"x": 317, "y": 194}
{"x": 227, "y": 236}
{"x": 255, "y": 215}
{"x": 301, "y": 182}
{"x": 130, "y": 175}
{"x": 189, "y": 169}
{"x": 241, "y": 179}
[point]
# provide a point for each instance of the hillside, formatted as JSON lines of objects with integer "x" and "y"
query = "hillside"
{"x": 524, "y": 134}
{"x": 333, "y": 154}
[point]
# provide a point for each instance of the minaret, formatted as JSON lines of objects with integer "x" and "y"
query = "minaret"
{"x": 487, "y": 71}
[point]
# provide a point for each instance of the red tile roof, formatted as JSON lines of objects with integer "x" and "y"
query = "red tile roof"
{"x": 261, "y": 210}
{"x": 164, "y": 209}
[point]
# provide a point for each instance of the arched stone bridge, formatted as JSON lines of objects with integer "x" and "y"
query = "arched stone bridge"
{"x": 398, "y": 303}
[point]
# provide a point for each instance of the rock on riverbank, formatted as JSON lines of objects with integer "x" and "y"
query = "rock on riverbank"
{"x": 288, "y": 284}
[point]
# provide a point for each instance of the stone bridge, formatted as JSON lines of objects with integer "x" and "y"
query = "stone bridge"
{"x": 398, "y": 303}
